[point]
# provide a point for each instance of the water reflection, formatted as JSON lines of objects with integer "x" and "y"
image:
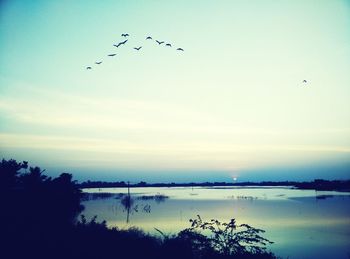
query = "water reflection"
{"x": 303, "y": 223}
{"x": 127, "y": 202}
{"x": 323, "y": 197}
{"x": 132, "y": 204}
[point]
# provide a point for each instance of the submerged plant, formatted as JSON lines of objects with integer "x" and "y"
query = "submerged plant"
{"x": 157, "y": 198}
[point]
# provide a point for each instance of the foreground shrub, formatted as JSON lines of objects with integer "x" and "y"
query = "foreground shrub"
{"x": 230, "y": 238}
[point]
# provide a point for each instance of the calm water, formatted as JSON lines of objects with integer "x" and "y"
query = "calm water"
{"x": 302, "y": 223}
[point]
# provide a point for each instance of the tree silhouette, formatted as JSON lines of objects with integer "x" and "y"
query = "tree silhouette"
{"x": 9, "y": 171}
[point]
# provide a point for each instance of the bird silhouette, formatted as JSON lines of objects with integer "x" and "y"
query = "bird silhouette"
{"x": 111, "y": 55}
{"x": 125, "y": 35}
{"x": 180, "y": 49}
{"x": 159, "y": 42}
{"x": 120, "y": 43}
{"x": 304, "y": 81}
{"x": 168, "y": 44}
{"x": 88, "y": 67}
{"x": 138, "y": 48}
{"x": 149, "y": 38}
{"x": 98, "y": 62}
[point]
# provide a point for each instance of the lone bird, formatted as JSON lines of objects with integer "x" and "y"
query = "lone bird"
{"x": 125, "y": 35}
{"x": 304, "y": 81}
{"x": 120, "y": 43}
{"x": 149, "y": 38}
{"x": 168, "y": 44}
{"x": 138, "y": 48}
{"x": 111, "y": 55}
{"x": 159, "y": 42}
{"x": 88, "y": 67}
{"x": 180, "y": 49}
{"x": 98, "y": 62}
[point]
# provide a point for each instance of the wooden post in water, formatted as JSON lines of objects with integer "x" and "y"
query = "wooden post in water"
{"x": 129, "y": 189}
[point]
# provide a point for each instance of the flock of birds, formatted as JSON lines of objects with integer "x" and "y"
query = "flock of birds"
{"x": 126, "y": 35}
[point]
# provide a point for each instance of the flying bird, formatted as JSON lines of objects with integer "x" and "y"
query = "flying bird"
{"x": 138, "y": 48}
{"x": 159, "y": 42}
{"x": 149, "y": 38}
{"x": 120, "y": 43}
{"x": 168, "y": 44}
{"x": 304, "y": 81}
{"x": 111, "y": 55}
{"x": 180, "y": 49}
{"x": 98, "y": 62}
{"x": 88, "y": 67}
{"x": 125, "y": 35}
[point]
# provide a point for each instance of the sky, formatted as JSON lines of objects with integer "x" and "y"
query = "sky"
{"x": 231, "y": 105}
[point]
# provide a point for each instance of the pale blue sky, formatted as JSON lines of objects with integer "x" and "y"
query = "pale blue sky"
{"x": 231, "y": 105}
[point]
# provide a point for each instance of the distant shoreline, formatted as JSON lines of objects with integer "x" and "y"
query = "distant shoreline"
{"x": 318, "y": 184}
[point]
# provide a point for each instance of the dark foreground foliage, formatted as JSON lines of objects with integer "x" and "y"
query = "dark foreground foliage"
{"x": 38, "y": 220}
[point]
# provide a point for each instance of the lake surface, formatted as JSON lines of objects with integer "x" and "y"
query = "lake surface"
{"x": 302, "y": 223}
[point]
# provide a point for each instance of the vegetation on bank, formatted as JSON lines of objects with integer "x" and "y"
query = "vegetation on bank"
{"x": 38, "y": 220}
